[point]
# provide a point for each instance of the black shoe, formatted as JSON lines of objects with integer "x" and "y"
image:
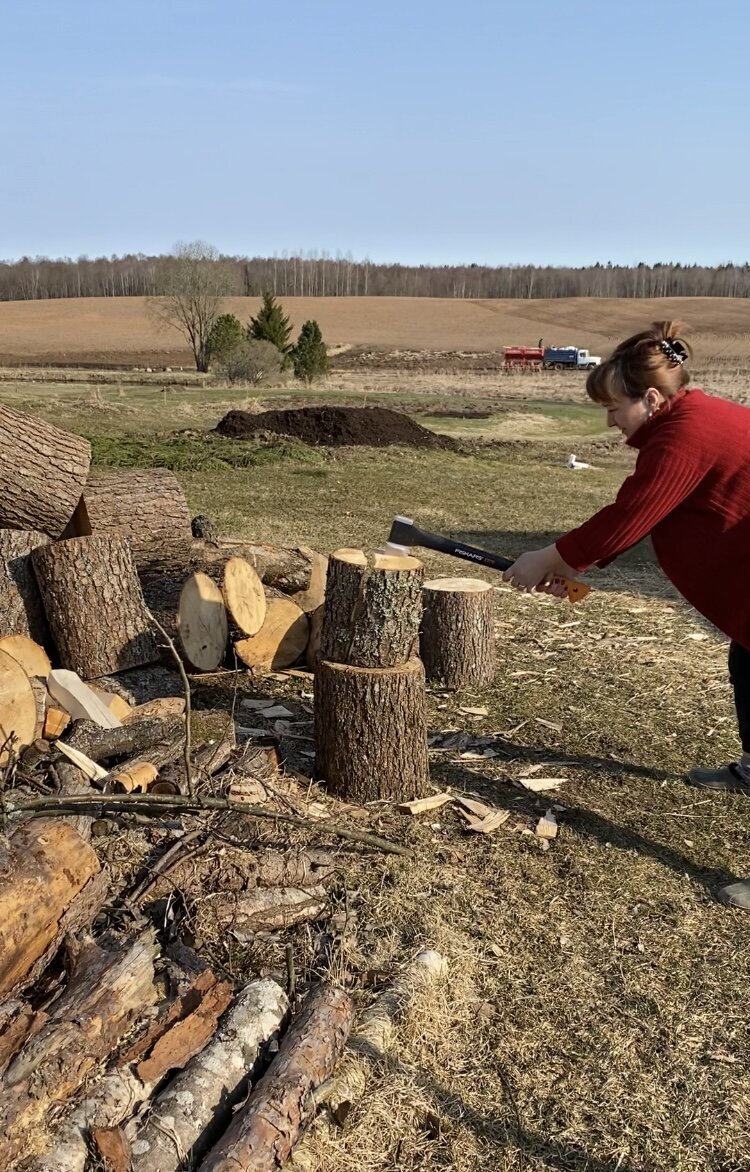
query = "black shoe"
{"x": 736, "y": 895}
{"x": 729, "y": 779}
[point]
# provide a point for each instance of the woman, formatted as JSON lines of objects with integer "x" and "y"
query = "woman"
{"x": 691, "y": 492}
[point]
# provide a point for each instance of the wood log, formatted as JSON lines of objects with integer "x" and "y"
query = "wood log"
{"x": 371, "y": 731}
{"x": 268, "y": 909}
{"x": 56, "y": 720}
{"x": 147, "y": 506}
{"x": 202, "y": 623}
{"x": 94, "y": 604}
{"x": 18, "y": 1022}
{"x": 197, "y": 1103}
{"x": 244, "y": 597}
{"x": 280, "y": 568}
{"x": 280, "y": 642}
{"x": 264, "y": 1132}
{"x": 141, "y": 685}
{"x": 51, "y": 885}
{"x": 31, "y": 655}
{"x": 310, "y": 599}
{"x": 105, "y": 996}
{"x": 18, "y": 709}
{"x": 314, "y": 643}
{"x": 457, "y": 641}
{"x": 21, "y": 608}
{"x": 106, "y": 744}
{"x": 43, "y": 471}
{"x": 373, "y": 608}
{"x": 166, "y": 706}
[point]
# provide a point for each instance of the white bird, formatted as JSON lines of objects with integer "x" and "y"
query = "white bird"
{"x": 577, "y": 464}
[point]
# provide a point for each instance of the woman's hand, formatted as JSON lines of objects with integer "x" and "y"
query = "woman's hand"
{"x": 537, "y": 570}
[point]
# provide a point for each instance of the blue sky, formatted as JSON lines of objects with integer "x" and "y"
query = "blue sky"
{"x": 422, "y": 131}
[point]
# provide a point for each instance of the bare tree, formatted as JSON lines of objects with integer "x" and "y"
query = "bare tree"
{"x": 194, "y": 285}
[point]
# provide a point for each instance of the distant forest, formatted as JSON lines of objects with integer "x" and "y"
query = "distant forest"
{"x": 325, "y": 276}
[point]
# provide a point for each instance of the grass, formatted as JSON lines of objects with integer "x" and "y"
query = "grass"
{"x": 594, "y": 1016}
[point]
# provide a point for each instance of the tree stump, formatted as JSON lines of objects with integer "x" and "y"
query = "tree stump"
{"x": 148, "y": 506}
{"x": 457, "y": 642}
{"x": 43, "y": 471}
{"x": 21, "y": 610}
{"x": 373, "y": 607}
{"x": 371, "y": 731}
{"x": 94, "y": 604}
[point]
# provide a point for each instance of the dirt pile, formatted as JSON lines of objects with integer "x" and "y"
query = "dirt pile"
{"x": 376, "y": 427}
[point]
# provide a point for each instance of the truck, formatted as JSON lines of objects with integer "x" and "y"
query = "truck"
{"x": 548, "y": 358}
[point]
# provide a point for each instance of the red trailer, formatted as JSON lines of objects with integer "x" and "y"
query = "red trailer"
{"x": 523, "y": 357}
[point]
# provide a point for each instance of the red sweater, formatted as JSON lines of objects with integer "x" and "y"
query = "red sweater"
{"x": 691, "y": 491}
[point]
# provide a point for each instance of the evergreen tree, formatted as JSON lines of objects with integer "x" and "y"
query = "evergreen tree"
{"x": 226, "y": 334}
{"x": 310, "y": 355}
{"x": 271, "y": 325}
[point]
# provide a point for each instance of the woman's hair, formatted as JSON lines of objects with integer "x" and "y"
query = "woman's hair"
{"x": 654, "y": 358}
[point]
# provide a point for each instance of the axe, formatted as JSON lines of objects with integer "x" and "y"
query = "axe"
{"x": 405, "y": 535}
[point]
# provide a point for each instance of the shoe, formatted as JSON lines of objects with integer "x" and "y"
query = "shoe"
{"x": 736, "y": 895}
{"x": 729, "y": 779}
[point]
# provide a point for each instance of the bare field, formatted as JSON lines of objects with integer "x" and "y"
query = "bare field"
{"x": 121, "y": 331}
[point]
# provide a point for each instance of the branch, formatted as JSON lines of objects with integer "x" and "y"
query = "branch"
{"x": 188, "y": 710}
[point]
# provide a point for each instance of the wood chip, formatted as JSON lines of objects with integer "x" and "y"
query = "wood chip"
{"x": 547, "y": 826}
{"x": 475, "y": 711}
{"x": 88, "y": 768}
{"x": 549, "y": 724}
{"x": 472, "y": 806}
{"x": 486, "y": 825}
{"x": 424, "y": 805}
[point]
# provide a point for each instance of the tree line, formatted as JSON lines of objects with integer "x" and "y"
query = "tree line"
{"x": 321, "y": 275}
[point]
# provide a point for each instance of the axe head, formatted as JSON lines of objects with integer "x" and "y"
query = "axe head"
{"x": 401, "y": 538}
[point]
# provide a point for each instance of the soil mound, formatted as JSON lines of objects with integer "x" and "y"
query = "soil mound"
{"x": 376, "y": 427}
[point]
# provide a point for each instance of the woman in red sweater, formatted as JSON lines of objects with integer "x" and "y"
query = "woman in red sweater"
{"x": 690, "y": 492}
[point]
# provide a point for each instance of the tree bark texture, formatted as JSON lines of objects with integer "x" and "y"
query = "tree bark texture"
{"x": 51, "y": 885}
{"x": 148, "y": 507}
{"x": 371, "y": 731}
{"x": 21, "y": 609}
{"x": 194, "y": 1107}
{"x": 94, "y": 604}
{"x": 457, "y": 642}
{"x": 43, "y": 472}
{"x": 105, "y": 744}
{"x": 141, "y": 685}
{"x": 269, "y": 909}
{"x": 106, "y": 995}
{"x": 373, "y": 609}
{"x": 264, "y": 1132}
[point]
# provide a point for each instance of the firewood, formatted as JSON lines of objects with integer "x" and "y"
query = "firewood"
{"x": 164, "y": 706}
{"x": 202, "y": 623}
{"x": 281, "y": 640}
{"x": 18, "y": 1022}
{"x": 314, "y": 643}
{"x": 373, "y": 608}
{"x": 115, "y": 705}
{"x": 87, "y": 767}
{"x": 288, "y": 570}
{"x": 265, "y": 1130}
{"x": 146, "y": 505}
{"x": 78, "y": 699}
{"x": 457, "y": 643}
{"x": 18, "y": 708}
{"x": 198, "y": 1101}
{"x": 425, "y": 805}
{"x": 310, "y": 599}
{"x": 94, "y": 604}
{"x": 269, "y": 909}
{"x": 244, "y": 596}
{"x": 56, "y": 720}
{"x": 32, "y": 657}
{"x": 105, "y": 996}
{"x": 21, "y": 608}
{"x": 38, "y": 750}
{"x": 43, "y": 472}
{"x": 126, "y": 740}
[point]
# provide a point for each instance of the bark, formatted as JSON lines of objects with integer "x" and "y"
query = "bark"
{"x": 264, "y": 1132}
{"x": 51, "y": 885}
{"x": 21, "y": 609}
{"x": 19, "y": 715}
{"x": 371, "y": 731}
{"x": 373, "y": 609}
{"x": 288, "y": 570}
{"x": 268, "y": 909}
{"x": 314, "y": 643}
{"x": 147, "y": 506}
{"x": 104, "y": 744}
{"x": 141, "y": 685}
{"x": 457, "y": 642}
{"x": 43, "y": 471}
{"x": 112, "y": 1148}
{"x": 207, "y": 761}
{"x": 197, "y": 1103}
{"x": 106, "y": 994}
{"x": 94, "y": 604}
{"x": 18, "y": 1022}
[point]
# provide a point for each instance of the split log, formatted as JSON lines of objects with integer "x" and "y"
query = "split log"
{"x": 280, "y": 642}
{"x": 266, "y": 1129}
{"x": 21, "y": 608}
{"x": 373, "y": 608}
{"x": 268, "y": 909}
{"x": 371, "y": 731}
{"x": 457, "y": 642}
{"x": 51, "y": 885}
{"x": 197, "y": 1103}
{"x": 31, "y": 655}
{"x": 78, "y": 699}
{"x": 18, "y": 709}
{"x": 202, "y": 623}
{"x": 56, "y": 720}
{"x": 309, "y": 600}
{"x": 244, "y": 597}
{"x": 147, "y": 506}
{"x": 43, "y": 471}
{"x": 106, "y": 994}
{"x": 94, "y": 604}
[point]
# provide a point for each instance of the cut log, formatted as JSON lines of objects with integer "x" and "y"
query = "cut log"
{"x": 103, "y": 744}
{"x": 140, "y": 685}
{"x": 147, "y": 506}
{"x": 31, "y": 655}
{"x": 43, "y": 471}
{"x": 268, "y": 909}
{"x": 457, "y": 643}
{"x": 264, "y": 1132}
{"x": 94, "y": 604}
{"x": 18, "y": 709}
{"x": 371, "y": 731}
{"x": 202, "y": 623}
{"x": 280, "y": 568}
{"x": 314, "y": 643}
{"x": 51, "y": 885}
{"x": 373, "y": 608}
{"x": 309, "y": 600}
{"x": 38, "y": 750}
{"x": 244, "y": 597}
{"x": 21, "y": 609}
{"x": 78, "y": 700}
{"x": 106, "y": 995}
{"x": 197, "y": 1103}
{"x": 281, "y": 640}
